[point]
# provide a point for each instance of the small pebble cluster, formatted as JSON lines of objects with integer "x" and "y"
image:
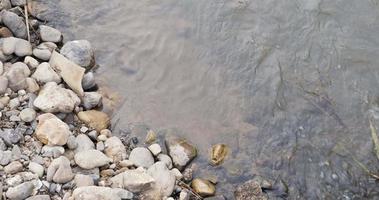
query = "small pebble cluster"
{"x": 56, "y": 143}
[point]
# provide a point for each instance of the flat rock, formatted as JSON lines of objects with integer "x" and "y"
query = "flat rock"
{"x": 180, "y": 151}
{"x": 60, "y": 171}
{"x": 45, "y": 73}
{"x": 115, "y": 149}
{"x": 15, "y": 23}
{"x": 71, "y": 73}
{"x": 100, "y": 193}
{"x": 51, "y": 130}
{"x": 164, "y": 179}
{"x": 20, "y": 192}
{"x": 53, "y": 98}
{"x": 136, "y": 180}
{"x": 50, "y": 34}
{"x": 80, "y": 52}
{"x": 90, "y": 159}
{"x": 141, "y": 157}
{"x": 95, "y": 119}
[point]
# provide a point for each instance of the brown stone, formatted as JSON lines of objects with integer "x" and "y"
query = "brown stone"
{"x": 95, "y": 119}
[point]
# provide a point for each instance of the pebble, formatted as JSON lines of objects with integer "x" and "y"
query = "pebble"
{"x": 43, "y": 51}
{"x": 180, "y": 151}
{"x": 177, "y": 174}
{"x": 5, "y": 5}
{"x": 14, "y": 103}
{"x": 10, "y": 136}
{"x": 51, "y": 130}
{"x": 141, "y": 157}
{"x": 3, "y": 84}
{"x": 23, "y": 48}
{"x": 60, "y": 171}
{"x": 17, "y": 76}
{"x": 102, "y": 138}
{"x": 32, "y": 85}
{"x": 31, "y": 62}
{"x": 91, "y": 100}
{"x": 81, "y": 180}
{"x": 203, "y": 187}
{"x": 101, "y": 193}
{"x": 14, "y": 23}
{"x": 126, "y": 163}
{"x": 115, "y": 149}
{"x": 53, "y": 98}
{"x": 5, "y": 157}
{"x": 1, "y": 68}
{"x": 83, "y": 129}
{"x": 88, "y": 81}
{"x": 155, "y": 149}
{"x": 71, "y": 142}
{"x": 100, "y": 146}
{"x": 136, "y": 180}
{"x": 95, "y": 119}
{"x": 49, "y": 34}
{"x": 83, "y": 143}
{"x": 21, "y": 191}
{"x": 45, "y": 73}
{"x": 28, "y": 115}
{"x": 52, "y": 151}
{"x": 13, "y": 167}
{"x": 80, "y": 52}
{"x": 164, "y": 179}
{"x": 39, "y": 197}
{"x": 36, "y": 168}
{"x": 90, "y": 159}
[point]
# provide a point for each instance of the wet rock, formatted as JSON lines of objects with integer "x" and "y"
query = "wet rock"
{"x": 13, "y": 167}
{"x": 203, "y": 187}
{"x": 166, "y": 159}
{"x": 136, "y": 180}
{"x": 36, "y": 168}
{"x": 53, "y": 98}
{"x": 32, "y": 85}
{"x": 21, "y": 191}
{"x": 14, "y": 23}
{"x": 218, "y": 153}
{"x": 60, "y": 171}
{"x": 180, "y": 151}
{"x": 28, "y": 115}
{"x": 44, "y": 50}
{"x": 71, "y": 73}
{"x": 80, "y": 52}
{"x": 5, "y": 157}
{"x": 250, "y": 190}
{"x": 17, "y": 76}
{"x": 31, "y": 62}
{"x": 83, "y": 143}
{"x": 115, "y": 149}
{"x": 51, "y": 130}
{"x": 155, "y": 149}
{"x": 141, "y": 157}
{"x": 39, "y": 197}
{"x": 100, "y": 193}
{"x": 90, "y": 159}
{"x": 164, "y": 179}
{"x": 88, "y": 81}
{"x": 18, "y": 2}
{"x": 3, "y": 84}
{"x": 91, "y": 100}
{"x": 81, "y": 180}
{"x": 49, "y": 34}
{"x": 95, "y": 119}
{"x": 45, "y": 73}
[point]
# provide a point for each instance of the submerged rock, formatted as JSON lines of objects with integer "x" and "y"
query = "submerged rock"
{"x": 203, "y": 187}
{"x": 100, "y": 193}
{"x": 95, "y": 119}
{"x": 71, "y": 73}
{"x": 51, "y": 130}
{"x": 218, "y": 153}
{"x": 53, "y": 98}
{"x": 136, "y": 180}
{"x": 80, "y": 52}
{"x": 180, "y": 151}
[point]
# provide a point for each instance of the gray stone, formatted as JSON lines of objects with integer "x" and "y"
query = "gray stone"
{"x": 141, "y": 157}
{"x": 49, "y": 34}
{"x": 82, "y": 180}
{"x": 3, "y": 84}
{"x": 91, "y": 100}
{"x": 17, "y": 76}
{"x": 52, "y": 151}
{"x": 53, "y": 98}
{"x": 45, "y": 73}
{"x": 166, "y": 159}
{"x": 44, "y": 50}
{"x": 13, "y": 167}
{"x": 21, "y": 191}
{"x": 88, "y": 81}
{"x": 18, "y": 2}
{"x": 23, "y": 48}
{"x": 15, "y": 23}
{"x": 101, "y": 193}
{"x": 5, "y": 157}
{"x": 10, "y": 136}
{"x": 80, "y": 52}
{"x": 71, "y": 142}
{"x": 164, "y": 179}
{"x": 5, "y": 4}
{"x": 100, "y": 146}
{"x": 83, "y": 143}
{"x": 136, "y": 180}
{"x": 13, "y": 181}
{"x": 90, "y": 159}
{"x": 36, "y": 168}
{"x": 3, "y": 146}
{"x": 28, "y": 114}
{"x": 9, "y": 45}
{"x": 60, "y": 171}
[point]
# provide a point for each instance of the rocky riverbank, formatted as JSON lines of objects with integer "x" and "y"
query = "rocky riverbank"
{"x": 56, "y": 143}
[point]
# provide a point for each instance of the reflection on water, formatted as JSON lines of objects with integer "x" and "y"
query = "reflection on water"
{"x": 288, "y": 85}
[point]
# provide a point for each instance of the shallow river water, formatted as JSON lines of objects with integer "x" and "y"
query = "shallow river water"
{"x": 288, "y": 85}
